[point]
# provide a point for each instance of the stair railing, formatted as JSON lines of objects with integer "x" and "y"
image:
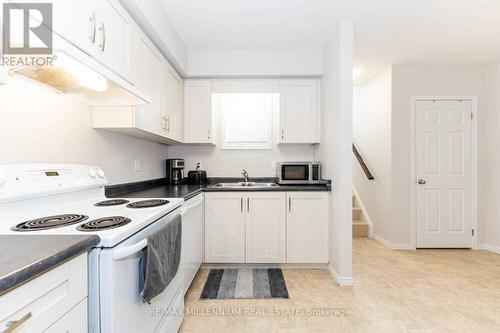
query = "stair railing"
{"x": 361, "y": 162}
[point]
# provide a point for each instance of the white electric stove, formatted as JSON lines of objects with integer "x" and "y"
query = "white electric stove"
{"x": 62, "y": 199}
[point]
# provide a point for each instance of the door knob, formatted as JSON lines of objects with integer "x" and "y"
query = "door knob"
{"x": 421, "y": 182}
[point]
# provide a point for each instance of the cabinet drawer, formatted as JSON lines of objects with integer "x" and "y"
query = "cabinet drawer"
{"x": 75, "y": 321}
{"x": 45, "y": 299}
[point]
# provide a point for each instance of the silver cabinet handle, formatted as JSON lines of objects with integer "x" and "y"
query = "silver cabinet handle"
{"x": 92, "y": 28}
{"x": 421, "y": 182}
{"x": 15, "y": 324}
{"x": 289, "y": 204}
{"x": 102, "y": 29}
{"x": 168, "y": 124}
{"x": 241, "y": 204}
{"x": 248, "y": 204}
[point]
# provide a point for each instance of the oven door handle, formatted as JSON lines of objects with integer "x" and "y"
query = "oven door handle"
{"x": 129, "y": 250}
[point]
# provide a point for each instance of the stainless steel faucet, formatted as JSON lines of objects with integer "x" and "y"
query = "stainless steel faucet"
{"x": 245, "y": 175}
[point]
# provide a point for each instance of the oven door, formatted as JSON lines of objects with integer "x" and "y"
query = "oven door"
{"x": 295, "y": 173}
{"x": 120, "y": 301}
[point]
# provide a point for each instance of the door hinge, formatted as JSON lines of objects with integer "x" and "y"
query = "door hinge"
{"x": 472, "y": 232}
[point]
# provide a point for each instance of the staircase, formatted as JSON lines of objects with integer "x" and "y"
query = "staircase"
{"x": 359, "y": 225}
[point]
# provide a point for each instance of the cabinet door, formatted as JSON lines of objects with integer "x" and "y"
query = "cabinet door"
{"x": 173, "y": 111}
{"x": 74, "y": 20}
{"x": 198, "y": 111}
{"x": 299, "y": 111}
{"x": 149, "y": 117}
{"x": 114, "y": 38}
{"x": 265, "y": 227}
{"x": 224, "y": 227}
{"x": 307, "y": 227}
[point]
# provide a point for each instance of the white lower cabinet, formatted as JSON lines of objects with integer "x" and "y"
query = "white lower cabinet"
{"x": 265, "y": 227}
{"x": 224, "y": 227}
{"x": 307, "y": 227}
{"x": 53, "y": 302}
{"x": 75, "y": 321}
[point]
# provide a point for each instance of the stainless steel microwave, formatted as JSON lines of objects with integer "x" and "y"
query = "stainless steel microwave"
{"x": 299, "y": 172}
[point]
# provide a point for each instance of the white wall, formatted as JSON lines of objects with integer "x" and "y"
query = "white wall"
{"x": 416, "y": 80}
{"x": 335, "y": 152}
{"x": 489, "y": 228}
{"x": 426, "y": 79}
{"x": 372, "y": 136}
{"x": 38, "y": 125}
{"x": 255, "y": 63}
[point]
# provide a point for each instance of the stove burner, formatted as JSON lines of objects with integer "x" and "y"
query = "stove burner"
{"x": 112, "y": 202}
{"x": 50, "y": 222}
{"x": 104, "y": 223}
{"x": 148, "y": 203}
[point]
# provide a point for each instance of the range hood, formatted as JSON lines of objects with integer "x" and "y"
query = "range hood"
{"x": 73, "y": 72}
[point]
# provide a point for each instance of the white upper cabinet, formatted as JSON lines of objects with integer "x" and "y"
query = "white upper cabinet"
{"x": 198, "y": 112}
{"x": 114, "y": 34}
{"x": 149, "y": 117}
{"x": 173, "y": 106}
{"x": 307, "y": 227}
{"x": 79, "y": 28}
{"x": 299, "y": 111}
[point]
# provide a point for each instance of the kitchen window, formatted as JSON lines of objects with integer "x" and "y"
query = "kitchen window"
{"x": 246, "y": 119}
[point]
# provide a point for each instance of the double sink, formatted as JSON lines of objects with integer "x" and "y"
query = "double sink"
{"x": 246, "y": 185}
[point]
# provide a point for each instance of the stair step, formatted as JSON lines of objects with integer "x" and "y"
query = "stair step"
{"x": 359, "y": 229}
{"x": 356, "y": 213}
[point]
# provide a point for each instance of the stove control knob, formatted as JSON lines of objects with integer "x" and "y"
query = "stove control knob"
{"x": 2, "y": 181}
{"x": 92, "y": 173}
{"x": 100, "y": 173}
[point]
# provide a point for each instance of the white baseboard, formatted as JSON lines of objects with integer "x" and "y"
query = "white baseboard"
{"x": 342, "y": 281}
{"x": 489, "y": 247}
{"x": 393, "y": 246}
{"x": 371, "y": 231}
{"x": 283, "y": 266}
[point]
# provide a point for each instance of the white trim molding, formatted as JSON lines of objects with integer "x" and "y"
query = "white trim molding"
{"x": 474, "y": 176}
{"x": 394, "y": 246}
{"x": 367, "y": 218}
{"x": 342, "y": 281}
{"x": 489, "y": 247}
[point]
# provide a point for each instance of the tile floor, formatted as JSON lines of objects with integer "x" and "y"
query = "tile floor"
{"x": 395, "y": 291}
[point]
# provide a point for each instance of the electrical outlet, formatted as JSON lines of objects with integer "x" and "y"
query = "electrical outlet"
{"x": 273, "y": 165}
{"x": 137, "y": 166}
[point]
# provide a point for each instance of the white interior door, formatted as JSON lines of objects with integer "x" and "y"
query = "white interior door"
{"x": 444, "y": 174}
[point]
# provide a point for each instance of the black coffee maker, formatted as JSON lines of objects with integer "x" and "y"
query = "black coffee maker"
{"x": 175, "y": 171}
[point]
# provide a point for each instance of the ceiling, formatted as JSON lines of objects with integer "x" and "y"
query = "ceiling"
{"x": 386, "y": 31}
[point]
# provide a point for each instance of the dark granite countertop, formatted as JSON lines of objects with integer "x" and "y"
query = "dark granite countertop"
{"x": 24, "y": 257}
{"x": 158, "y": 188}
